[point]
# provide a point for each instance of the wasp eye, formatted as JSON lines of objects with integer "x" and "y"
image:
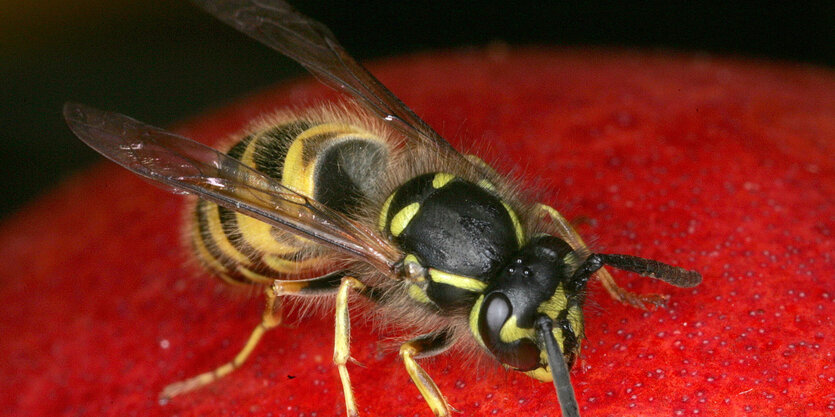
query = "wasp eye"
{"x": 496, "y": 312}
{"x": 522, "y": 353}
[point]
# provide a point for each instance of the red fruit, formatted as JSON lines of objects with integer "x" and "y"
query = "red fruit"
{"x": 718, "y": 165}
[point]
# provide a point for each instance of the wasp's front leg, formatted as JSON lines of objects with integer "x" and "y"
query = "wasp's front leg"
{"x": 424, "y": 347}
{"x": 567, "y": 233}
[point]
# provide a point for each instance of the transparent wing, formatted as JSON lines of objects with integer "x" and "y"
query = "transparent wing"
{"x": 188, "y": 166}
{"x": 277, "y": 25}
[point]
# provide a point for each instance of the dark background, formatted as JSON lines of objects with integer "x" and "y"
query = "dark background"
{"x": 162, "y": 60}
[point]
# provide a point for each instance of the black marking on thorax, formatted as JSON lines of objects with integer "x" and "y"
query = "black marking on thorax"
{"x": 458, "y": 228}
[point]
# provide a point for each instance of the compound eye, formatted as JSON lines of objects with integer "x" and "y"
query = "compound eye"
{"x": 521, "y": 354}
{"x": 496, "y": 312}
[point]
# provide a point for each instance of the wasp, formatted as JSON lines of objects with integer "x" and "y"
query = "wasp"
{"x": 366, "y": 198}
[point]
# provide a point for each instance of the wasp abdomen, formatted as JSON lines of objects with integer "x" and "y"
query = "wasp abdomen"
{"x": 347, "y": 173}
{"x": 335, "y": 163}
{"x": 460, "y": 231}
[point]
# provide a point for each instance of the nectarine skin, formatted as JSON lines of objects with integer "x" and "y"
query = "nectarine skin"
{"x": 720, "y": 165}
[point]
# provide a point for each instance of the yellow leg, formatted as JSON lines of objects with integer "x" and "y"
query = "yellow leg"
{"x": 628, "y": 297}
{"x": 342, "y": 340}
{"x": 564, "y": 229}
{"x": 422, "y": 347}
{"x": 567, "y": 232}
{"x": 270, "y": 319}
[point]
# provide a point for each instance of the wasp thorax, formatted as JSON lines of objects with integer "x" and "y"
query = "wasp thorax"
{"x": 533, "y": 283}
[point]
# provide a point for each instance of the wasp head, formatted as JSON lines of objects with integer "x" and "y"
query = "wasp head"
{"x": 538, "y": 281}
{"x": 530, "y": 317}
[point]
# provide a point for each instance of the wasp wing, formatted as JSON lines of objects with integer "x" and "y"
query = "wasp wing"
{"x": 277, "y": 25}
{"x": 191, "y": 167}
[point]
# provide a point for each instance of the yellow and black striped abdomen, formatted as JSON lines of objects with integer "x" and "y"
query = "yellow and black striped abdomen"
{"x": 334, "y": 162}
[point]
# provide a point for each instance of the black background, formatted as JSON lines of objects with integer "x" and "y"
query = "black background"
{"x": 161, "y": 60}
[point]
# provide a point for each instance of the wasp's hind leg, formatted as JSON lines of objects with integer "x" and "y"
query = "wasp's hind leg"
{"x": 270, "y": 319}
{"x": 424, "y": 347}
{"x": 567, "y": 232}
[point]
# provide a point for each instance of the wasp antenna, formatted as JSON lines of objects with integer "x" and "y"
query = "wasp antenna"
{"x": 672, "y": 275}
{"x": 559, "y": 370}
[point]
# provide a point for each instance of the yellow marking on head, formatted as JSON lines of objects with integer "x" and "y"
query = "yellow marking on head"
{"x": 517, "y": 226}
{"x": 403, "y": 217}
{"x": 558, "y": 334}
{"x": 487, "y": 185}
{"x": 457, "y": 281}
{"x": 384, "y": 212}
{"x": 418, "y": 294}
{"x": 542, "y": 374}
{"x": 511, "y": 332}
{"x": 543, "y": 355}
{"x": 219, "y": 237}
{"x": 577, "y": 328}
{"x": 554, "y": 305}
{"x": 441, "y": 179}
{"x": 575, "y": 318}
{"x": 474, "y": 312}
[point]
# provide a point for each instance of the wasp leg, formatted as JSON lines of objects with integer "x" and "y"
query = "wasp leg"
{"x": 271, "y": 318}
{"x": 424, "y": 347}
{"x": 628, "y": 297}
{"x": 564, "y": 227}
{"x": 342, "y": 285}
{"x": 342, "y": 339}
{"x": 324, "y": 285}
{"x": 567, "y": 232}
